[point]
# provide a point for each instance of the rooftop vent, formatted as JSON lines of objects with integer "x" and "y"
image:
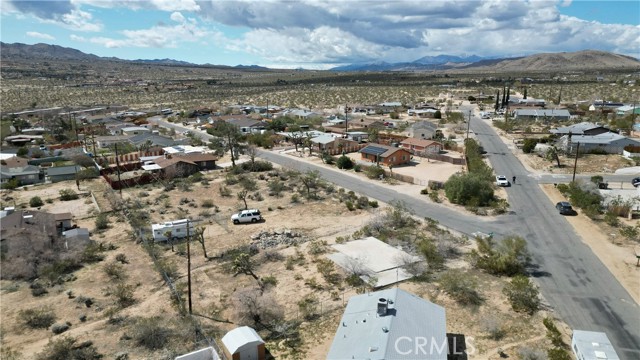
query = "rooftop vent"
{"x": 382, "y": 307}
{"x": 385, "y": 329}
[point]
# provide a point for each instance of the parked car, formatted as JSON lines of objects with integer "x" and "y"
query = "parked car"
{"x": 564, "y": 208}
{"x": 246, "y": 216}
{"x": 43, "y": 147}
{"x": 635, "y": 182}
{"x": 501, "y": 180}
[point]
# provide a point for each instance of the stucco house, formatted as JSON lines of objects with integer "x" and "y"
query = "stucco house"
{"x": 19, "y": 169}
{"x": 421, "y": 146}
{"x": 423, "y": 130}
{"x": 610, "y": 143}
{"x": 387, "y": 155}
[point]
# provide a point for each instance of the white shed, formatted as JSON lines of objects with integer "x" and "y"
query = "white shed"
{"x": 243, "y": 343}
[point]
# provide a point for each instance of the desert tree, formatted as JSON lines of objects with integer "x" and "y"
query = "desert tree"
{"x": 242, "y": 195}
{"x": 231, "y": 137}
{"x": 199, "y": 235}
{"x": 552, "y": 155}
{"x": 311, "y": 180}
{"x": 254, "y": 307}
{"x": 243, "y": 264}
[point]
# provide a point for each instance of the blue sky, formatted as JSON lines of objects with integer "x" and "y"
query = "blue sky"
{"x": 321, "y": 33}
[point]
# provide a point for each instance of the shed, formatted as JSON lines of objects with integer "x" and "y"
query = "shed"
{"x": 592, "y": 345}
{"x": 243, "y": 343}
{"x": 61, "y": 173}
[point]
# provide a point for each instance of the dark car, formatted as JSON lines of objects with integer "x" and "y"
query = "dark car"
{"x": 564, "y": 208}
{"x": 635, "y": 181}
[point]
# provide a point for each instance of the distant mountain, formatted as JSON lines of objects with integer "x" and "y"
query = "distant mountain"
{"x": 251, "y": 67}
{"x": 580, "y": 60}
{"x": 164, "y": 62}
{"x": 444, "y": 59}
{"x": 42, "y": 52}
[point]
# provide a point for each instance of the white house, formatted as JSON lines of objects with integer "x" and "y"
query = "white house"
{"x": 591, "y": 345}
{"x": 178, "y": 229}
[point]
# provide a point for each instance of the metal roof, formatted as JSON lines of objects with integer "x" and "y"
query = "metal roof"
{"x": 593, "y": 345}
{"x": 575, "y": 128}
{"x": 63, "y": 170}
{"x": 364, "y": 334}
{"x": 604, "y": 138}
{"x": 238, "y": 338}
{"x": 543, "y": 113}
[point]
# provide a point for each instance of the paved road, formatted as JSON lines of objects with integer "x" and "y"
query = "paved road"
{"x": 572, "y": 279}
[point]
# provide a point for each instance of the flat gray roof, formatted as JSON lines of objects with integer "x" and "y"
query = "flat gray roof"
{"x": 593, "y": 345}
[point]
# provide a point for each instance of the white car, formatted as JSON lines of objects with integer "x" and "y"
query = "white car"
{"x": 501, "y": 180}
{"x": 246, "y": 216}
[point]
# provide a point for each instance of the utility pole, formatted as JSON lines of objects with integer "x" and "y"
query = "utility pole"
{"x": 118, "y": 169}
{"x": 575, "y": 163}
{"x": 468, "y": 124}
{"x": 346, "y": 120}
{"x": 189, "y": 267}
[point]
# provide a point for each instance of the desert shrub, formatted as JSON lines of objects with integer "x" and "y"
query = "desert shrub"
{"x": 435, "y": 196}
{"x": 553, "y": 333}
{"x": 494, "y": 327}
{"x": 295, "y": 198}
{"x": 231, "y": 180}
{"x": 207, "y": 204}
{"x": 269, "y": 281}
{"x": 122, "y": 258}
{"x": 529, "y": 145}
{"x": 123, "y": 294}
{"x": 630, "y": 232}
{"x": 424, "y": 191}
{"x": 373, "y": 204}
{"x": 102, "y": 221}
{"x": 429, "y": 249}
{"x": 469, "y": 189}
{"x": 114, "y": 271}
{"x": 461, "y": 286}
{"x": 68, "y": 194}
{"x": 328, "y": 159}
{"x": 528, "y": 353}
{"x": 308, "y": 307}
{"x": 66, "y": 348}
{"x": 248, "y": 183}
{"x": 597, "y": 179}
{"x": 362, "y": 202}
{"x": 327, "y": 269}
{"x": 37, "y": 289}
{"x": 59, "y": 328}
{"x": 584, "y": 195}
{"x": 151, "y": 333}
{"x": 11, "y": 184}
{"x": 509, "y": 257}
{"x": 611, "y": 219}
{"x": 92, "y": 253}
{"x": 40, "y": 318}
{"x": 55, "y": 271}
{"x": 374, "y": 172}
{"x": 522, "y": 294}
{"x": 224, "y": 191}
{"x": 257, "y": 166}
{"x": 36, "y": 201}
{"x": 344, "y": 162}
{"x": 317, "y": 247}
{"x": 350, "y": 205}
{"x": 558, "y": 354}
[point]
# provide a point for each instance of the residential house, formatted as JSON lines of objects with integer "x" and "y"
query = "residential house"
{"x": 625, "y": 110}
{"x": 134, "y": 130}
{"x": 18, "y": 168}
{"x": 583, "y": 128}
{"x": 358, "y": 136}
{"x": 149, "y": 139}
{"x": 532, "y": 102}
{"x": 592, "y": 345}
{"x": 204, "y": 161}
{"x": 184, "y": 149}
{"x": 301, "y": 114}
{"x": 390, "y": 324}
{"x": 243, "y": 343}
{"x": 542, "y": 114}
{"x": 176, "y": 229}
{"x": 421, "y": 146}
{"x": 108, "y": 141}
{"x": 610, "y": 143}
{"x": 173, "y": 166}
{"x": 387, "y": 155}
{"x": 61, "y": 173}
{"x": 423, "y": 113}
{"x": 328, "y": 142}
{"x": 605, "y": 106}
{"x": 248, "y": 125}
{"x": 423, "y": 130}
{"x": 21, "y": 140}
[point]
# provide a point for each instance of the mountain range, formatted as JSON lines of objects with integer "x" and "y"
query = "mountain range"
{"x": 580, "y": 60}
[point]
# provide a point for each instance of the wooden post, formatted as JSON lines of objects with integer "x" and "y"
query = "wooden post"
{"x": 575, "y": 163}
{"x": 189, "y": 267}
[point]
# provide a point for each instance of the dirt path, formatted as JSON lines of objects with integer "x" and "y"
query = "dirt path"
{"x": 619, "y": 259}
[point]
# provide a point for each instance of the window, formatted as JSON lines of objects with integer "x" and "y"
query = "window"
{"x": 404, "y": 157}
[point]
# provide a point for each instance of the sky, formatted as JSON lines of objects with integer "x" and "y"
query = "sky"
{"x": 320, "y": 34}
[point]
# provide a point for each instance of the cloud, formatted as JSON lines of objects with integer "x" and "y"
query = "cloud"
{"x": 164, "y": 5}
{"x": 37, "y": 35}
{"x": 59, "y": 12}
{"x": 159, "y": 36}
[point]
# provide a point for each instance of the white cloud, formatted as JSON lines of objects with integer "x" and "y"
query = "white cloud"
{"x": 35, "y": 34}
{"x": 177, "y": 17}
{"x": 75, "y": 37}
{"x": 79, "y": 20}
{"x": 164, "y": 5}
{"x": 160, "y": 36}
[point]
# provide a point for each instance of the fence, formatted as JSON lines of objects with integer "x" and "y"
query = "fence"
{"x": 446, "y": 158}
{"x": 346, "y": 149}
{"x": 131, "y": 157}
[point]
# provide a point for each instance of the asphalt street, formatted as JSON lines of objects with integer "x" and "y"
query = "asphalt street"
{"x": 573, "y": 281}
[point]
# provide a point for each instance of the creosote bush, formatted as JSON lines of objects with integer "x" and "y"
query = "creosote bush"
{"x": 461, "y": 286}
{"x": 36, "y": 201}
{"x": 40, "y": 318}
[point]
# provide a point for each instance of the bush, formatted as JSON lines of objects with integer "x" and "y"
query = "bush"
{"x": 435, "y": 196}
{"x": 529, "y": 145}
{"x": 151, "y": 333}
{"x": 374, "y": 172}
{"x": 36, "y": 201}
{"x": 494, "y": 327}
{"x": 424, "y": 191}
{"x": 68, "y": 194}
{"x": 344, "y": 162}
{"x": 269, "y": 281}
{"x": 373, "y": 204}
{"x": 257, "y": 166}
{"x": 66, "y": 348}
{"x": 40, "y": 318}
{"x": 469, "y": 189}
{"x": 114, "y": 271}
{"x": 207, "y": 204}
{"x": 123, "y": 294}
{"x": 630, "y": 232}
{"x": 508, "y": 258}
{"x": 522, "y": 294}
{"x": 611, "y": 219}
{"x": 37, "y": 289}
{"x": 527, "y": 353}
{"x": 102, "y": 221}
{"x": 462, "y": 287}
{"x": 350, "y": 205}
{"x": 59, "y": 328}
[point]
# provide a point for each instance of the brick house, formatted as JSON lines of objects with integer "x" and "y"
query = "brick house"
{"x": 387, "y": 155}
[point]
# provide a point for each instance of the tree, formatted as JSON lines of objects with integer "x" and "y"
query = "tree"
{"x": 522, "y": 294}
{"x": 504, "y": 96}
{"x": 552, "y": 154}
{"x": 437, "y": 114}
{"x": 311, "y": 180}
{"x": 199, "y": 235}
{"x": 373, "y": 135}
{"x": 344, "y": 162}
{"x": 22, "y": 151}
{"x": 242, "y": 195}
{"x": 230, "y": 136}
{"x": 469, "y": 189}
{"x": 462, "y": 287}
{"x": 243, "y": 264}
{"x": 297, "y": 137}
{"x": 525, "y": 93}
{"x": 509, "y": 257}
{"x": 497, "y": 105}
{"x": 252, "y": 151}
